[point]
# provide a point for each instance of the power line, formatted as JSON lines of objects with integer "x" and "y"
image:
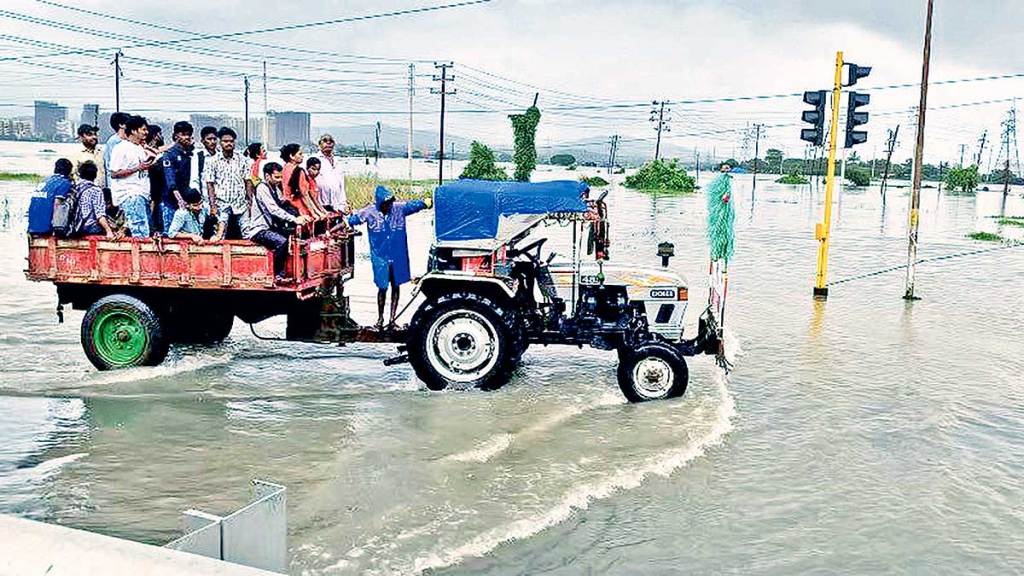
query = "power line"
{"x": 376, "y": 60}
{"x": 226, "y": 35}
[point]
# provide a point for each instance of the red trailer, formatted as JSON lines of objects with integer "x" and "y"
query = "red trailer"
{"x": 141, "y": 295}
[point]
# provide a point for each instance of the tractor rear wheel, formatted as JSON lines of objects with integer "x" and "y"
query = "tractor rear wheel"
{"x": 120, "y": 331}
{"x": 653, "y": 371}
{"x": 464, "y": 340}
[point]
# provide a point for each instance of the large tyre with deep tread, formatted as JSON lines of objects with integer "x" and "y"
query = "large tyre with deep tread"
{"x": 653, "y": 371}
{"x": 464, "y": 340}
{"x": 121, "y": 331}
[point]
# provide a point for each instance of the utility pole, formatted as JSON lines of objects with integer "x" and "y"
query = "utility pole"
{"x": 117, "y": 81}
{"x": 444, "y": 78}
{"x": 962, "y": 146}
{"x": 376, "y": 143}
{"x": 697, "y": 168}
{"x": 981, "y": 148}
{"x": 266, "y": 114}
{"x": 890, "y": 146}
{"x": 757, "y": 151}
{"x": 246, "y": 78}
{"x": 658, "y": 116}
{"x": 412, "y": 90}
{"x": 613, "y": 148}
{"x": 915, "y": 194}
{"x": 451, "y": 159}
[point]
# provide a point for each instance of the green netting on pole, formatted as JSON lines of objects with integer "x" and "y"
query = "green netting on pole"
{"x": 721, "y": 216}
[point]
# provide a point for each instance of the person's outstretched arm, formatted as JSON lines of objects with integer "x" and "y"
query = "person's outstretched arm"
{"x": 413, "y": 206}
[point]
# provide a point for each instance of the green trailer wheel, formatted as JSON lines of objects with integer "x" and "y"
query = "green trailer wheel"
{"x": 120, "y": 331}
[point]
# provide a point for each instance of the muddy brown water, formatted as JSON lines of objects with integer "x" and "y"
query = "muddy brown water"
{"x": 859, "y": 435}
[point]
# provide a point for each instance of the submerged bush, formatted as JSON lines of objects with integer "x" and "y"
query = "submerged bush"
{"x": 661, "y": 175}
{"x": 985, "y": 237}
{"x": 858, "y": 176}
{"x": 962, "y": 180}
{"x": 481, "y": 164}
{"x": 793, "y": 178}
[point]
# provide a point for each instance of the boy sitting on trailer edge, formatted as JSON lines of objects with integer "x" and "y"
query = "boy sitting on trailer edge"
{"x": 188, "y": 220}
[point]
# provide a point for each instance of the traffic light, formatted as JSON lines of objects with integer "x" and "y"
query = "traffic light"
{"x": 855, "y": 73}
{"x": 854, "y": 119}
{"x": 815, "y": 117}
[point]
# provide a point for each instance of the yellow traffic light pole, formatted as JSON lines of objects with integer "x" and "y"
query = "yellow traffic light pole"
{"x": 822, "y": 229}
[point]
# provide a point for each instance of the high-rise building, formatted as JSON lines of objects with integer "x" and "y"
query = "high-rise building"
{"x": 291, "y": 127}
{"x": 90, "y": 115}
{"x": 105, "y": 129}
{"x": 47, "y": 117}
{"x": 198, "y": 121}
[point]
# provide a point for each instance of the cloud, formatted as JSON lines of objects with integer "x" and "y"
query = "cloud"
{"x": 577, "y": 54}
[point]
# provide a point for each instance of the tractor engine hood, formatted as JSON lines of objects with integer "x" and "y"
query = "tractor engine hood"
{"x": 641, "y": 283}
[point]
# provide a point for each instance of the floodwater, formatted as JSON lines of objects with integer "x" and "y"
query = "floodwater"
{"x": 859, "y": 435}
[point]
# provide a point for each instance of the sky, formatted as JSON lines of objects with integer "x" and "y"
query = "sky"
{"x": 597, "y": 65}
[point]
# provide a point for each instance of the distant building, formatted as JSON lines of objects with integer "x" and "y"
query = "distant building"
{"x": 47, "y": 117}
{"x": 90, "y": 115}
{"x": 290, "y": 127}
{"x": 15, "y": 129}
{"x": 105, "y": 129}
{"x": 64, "y": 130}
{"x": 198, "y": 121}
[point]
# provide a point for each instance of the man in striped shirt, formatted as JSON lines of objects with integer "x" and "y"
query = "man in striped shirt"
{"x": 228, "y": 185}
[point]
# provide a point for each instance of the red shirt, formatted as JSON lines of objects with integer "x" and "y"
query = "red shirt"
{"x": 292, "y": 196}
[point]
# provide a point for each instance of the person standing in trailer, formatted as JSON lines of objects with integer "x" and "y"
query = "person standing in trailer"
{"x": 389, "y": 245}
{"x": 330, "y": 181}
{"x": 228, "y": 185}
{"x": 129, "y": 176}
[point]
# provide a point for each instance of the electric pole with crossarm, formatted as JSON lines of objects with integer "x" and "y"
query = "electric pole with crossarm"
{"x": 658, "y": 116}
{"x": 444, "y": 79}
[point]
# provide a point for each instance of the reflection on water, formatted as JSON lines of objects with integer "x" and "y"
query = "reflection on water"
{"x": 861, "y": 434}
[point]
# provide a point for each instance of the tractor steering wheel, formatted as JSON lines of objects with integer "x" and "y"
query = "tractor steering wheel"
{"x": 537, "y": 244}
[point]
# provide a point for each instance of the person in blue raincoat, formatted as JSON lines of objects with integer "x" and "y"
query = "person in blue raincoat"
{"x": 389, "y": 244}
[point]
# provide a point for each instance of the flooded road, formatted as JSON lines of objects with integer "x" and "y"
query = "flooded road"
{"x": 858, "y": 435}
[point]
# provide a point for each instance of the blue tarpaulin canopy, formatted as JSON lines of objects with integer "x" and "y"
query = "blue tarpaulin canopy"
{"x": 471, "y": 209}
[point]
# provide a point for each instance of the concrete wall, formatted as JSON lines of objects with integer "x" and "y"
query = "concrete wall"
{"x": 29, "y": 548}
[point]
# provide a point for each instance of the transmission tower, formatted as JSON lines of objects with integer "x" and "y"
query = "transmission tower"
{"x": 1008, "y": 147}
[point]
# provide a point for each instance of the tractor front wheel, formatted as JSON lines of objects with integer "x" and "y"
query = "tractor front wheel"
{"x": 653, "y": 371}
{"x": 120, "y": 331}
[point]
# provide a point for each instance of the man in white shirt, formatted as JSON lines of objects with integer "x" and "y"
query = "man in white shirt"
{"x": 129, "y": 177}
{"x": 331, "y": 180}
{"x": 201, "y": 157}
{"x": 117, "y": 123}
